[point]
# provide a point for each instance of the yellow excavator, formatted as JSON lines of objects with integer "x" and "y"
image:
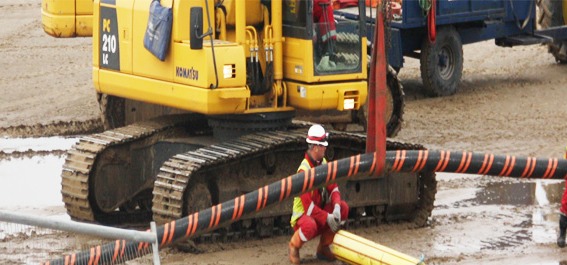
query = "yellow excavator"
{"x": 214, "y": 111}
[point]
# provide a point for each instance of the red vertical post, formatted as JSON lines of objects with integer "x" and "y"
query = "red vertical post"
{"x": 376, "y": 125}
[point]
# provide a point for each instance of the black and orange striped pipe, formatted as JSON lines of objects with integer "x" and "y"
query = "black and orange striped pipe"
{"x": 365, "y": 164}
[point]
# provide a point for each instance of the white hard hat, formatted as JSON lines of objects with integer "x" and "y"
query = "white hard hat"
{"x": 317, "y": 135}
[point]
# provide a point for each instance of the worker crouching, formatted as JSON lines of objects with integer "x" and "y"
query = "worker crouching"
{"x": 320, "y": 211}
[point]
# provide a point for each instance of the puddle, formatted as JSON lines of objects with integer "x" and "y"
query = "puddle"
{"x": 10, "y": 145}
{"x": 536, "y": 192}
{"x": 32, "y": 184}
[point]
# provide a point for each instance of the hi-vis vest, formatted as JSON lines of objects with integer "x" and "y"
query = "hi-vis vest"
{"x": 297, "y": 205}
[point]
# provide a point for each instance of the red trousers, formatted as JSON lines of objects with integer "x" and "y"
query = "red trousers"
{"x": 309, "y": 228}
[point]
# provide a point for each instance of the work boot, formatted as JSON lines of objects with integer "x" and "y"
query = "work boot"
{"x": 323, "y": 250}
{"x": 294, "y": 245}
{"x": 562, "y": 230}
{"x": 324, "y": 253}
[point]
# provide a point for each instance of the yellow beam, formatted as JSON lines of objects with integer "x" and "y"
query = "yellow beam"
{"x": 353, "y": 249}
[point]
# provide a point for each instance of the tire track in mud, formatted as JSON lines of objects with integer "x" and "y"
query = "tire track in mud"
{"x": 58, "y": 128}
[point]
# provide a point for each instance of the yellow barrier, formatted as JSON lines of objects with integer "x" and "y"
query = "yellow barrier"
{"x": 353, "y": 249}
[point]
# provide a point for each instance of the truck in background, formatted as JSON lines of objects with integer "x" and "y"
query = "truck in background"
{"x": 437, "y": 41}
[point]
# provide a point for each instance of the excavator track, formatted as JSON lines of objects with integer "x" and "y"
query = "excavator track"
{"x": 177, "y": 172}
{"x": 81, "y": 159}
{"x": 183, "y": 183}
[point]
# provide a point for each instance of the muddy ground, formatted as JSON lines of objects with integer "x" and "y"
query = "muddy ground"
{"x": 511, "y": 101}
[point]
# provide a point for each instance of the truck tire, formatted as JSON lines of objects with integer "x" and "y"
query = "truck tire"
{"x": 550, "y": 15}
{"x": 441, "y": 63}
{"x": 394, "y": 105}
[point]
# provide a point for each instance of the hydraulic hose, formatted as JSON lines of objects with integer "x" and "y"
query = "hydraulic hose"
{"x": 340, "y": 170}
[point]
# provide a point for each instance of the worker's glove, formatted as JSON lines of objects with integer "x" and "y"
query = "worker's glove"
{"x": 337, "y": 212}
{"x": 333, "y": 223}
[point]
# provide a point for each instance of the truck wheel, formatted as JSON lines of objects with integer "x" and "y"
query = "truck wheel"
{"x": 550, "y": 14}
{"x": 394, "y": 105}
{"x": 442, "y": 63}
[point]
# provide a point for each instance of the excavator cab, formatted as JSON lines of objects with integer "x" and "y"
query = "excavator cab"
{"x": 231, "y": 58}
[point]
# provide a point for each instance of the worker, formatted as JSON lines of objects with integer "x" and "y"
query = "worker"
{"x": 325, "y": 23}
{"x": 320, "y": 211}
{"x": 563, "y": 214}
{"x": 323, "y": 14}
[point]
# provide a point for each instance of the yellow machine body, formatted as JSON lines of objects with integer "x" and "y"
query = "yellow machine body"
{"x": 67, "y": 18}
{"x": 353, "y": 249}
{"x": 186, "y": 79}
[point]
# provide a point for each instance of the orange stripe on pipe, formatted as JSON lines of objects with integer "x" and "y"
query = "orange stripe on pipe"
{"x": 218, "y": 215}
{"x": 549, "y": 162}
{"x": 189, "y": 225}
{"x": 356, "y": 165}
{"x": 235, "y": 210}
{"x": 548, "y": 169}
{"x": 424, "y": 160}
{"x": 265, "y": 198}
{"x": 97, "y": 256}
{"x": 73, "y": 258}
{"x": 469, "y": 159}
{"x": 373, "y": 166}
{"x": 553, "y": 167}
{"x": 311, "y": 177}
{"x": 241, "y": 207}
{"x": 213, "y": 209}
{"x": 511, "y": 167}
{"x": 484, "y": 163}
{"x": 171, "y": 232}
{"x": 67, "y": 260}
{"x": 462, "y": 164}
{"x": 418, "y": 161}
{"x": 91, "y": 256}
{"x": 165, "y": 233}
{"x": 527, "y": 168}
{"x": 489, "y": 164}
{"x": 116, "y": 250}
{"x": 288, "y": 192}
{"x": 448, "y": 155}
{"x": 532, "y": 169}
{"x": 305, "y": 180}
{"x": 282, "y": 191}
{"x": 402, "y": 160}
{"x": 196, "y": 223}
{"x": 555, "y": 163}
{"x": 351, "y": 163}
{"x": 335, "y": 166}
{"x": 396, "y": 160}
{"x": 440, "y": 162}
{"x": 329, "y": 172}
{"x": 259, "y": 201}
{"x": 506, "y": 165}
